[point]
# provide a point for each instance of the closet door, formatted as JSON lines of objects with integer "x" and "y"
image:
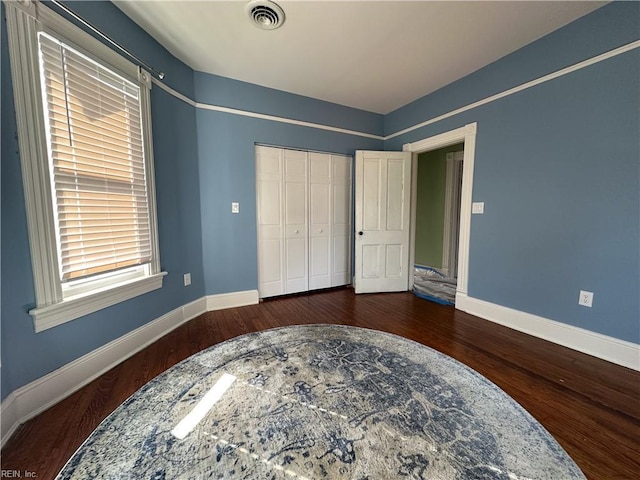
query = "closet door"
{"x": 270, "y": 202}
{"x": 320, "y": 199}
{"x": 295, "y": 218}
{"x": 304, "y": 220}
{"x": 340, "y": 220}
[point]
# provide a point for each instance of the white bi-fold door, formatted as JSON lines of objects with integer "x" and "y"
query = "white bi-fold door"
{"x": 304, "y": 220}
{"x": 329, "y": 220}
{"x": 296, "y": 245}
{"x": 382, "y": 223}
{"x": 270, "y": 218}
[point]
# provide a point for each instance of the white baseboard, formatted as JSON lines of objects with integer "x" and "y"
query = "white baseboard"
{"x": 232, "y": 300}
{"x": 28, "y": 401}
{"x": 35, "y": 397}
{"x": 608, "y": 348}
{"x": 9, "y": 419}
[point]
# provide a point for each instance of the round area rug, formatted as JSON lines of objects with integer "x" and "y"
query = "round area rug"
{"x": 320, "y": 402}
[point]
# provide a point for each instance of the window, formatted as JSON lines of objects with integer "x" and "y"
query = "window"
{"x": 96, "y": 160}
{"x": 84, "y": 129}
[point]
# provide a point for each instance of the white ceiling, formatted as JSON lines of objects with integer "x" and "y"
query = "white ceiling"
{"x": 373, "y": 55}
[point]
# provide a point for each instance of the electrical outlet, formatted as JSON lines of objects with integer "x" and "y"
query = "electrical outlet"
{"x": 187, "y": 279}
{"x": 585, "y": 299}
{"x": 235, "y": 207}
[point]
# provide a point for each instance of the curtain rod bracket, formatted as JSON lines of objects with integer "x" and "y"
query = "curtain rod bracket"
{"x": 29, "y": 4}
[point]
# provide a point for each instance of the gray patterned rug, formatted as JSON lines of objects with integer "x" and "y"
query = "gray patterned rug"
{"x": 320, "y": 402}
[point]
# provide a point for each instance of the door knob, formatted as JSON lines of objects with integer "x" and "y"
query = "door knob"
{"x": 360, "y": 232}
{"x": 297, "y": 232}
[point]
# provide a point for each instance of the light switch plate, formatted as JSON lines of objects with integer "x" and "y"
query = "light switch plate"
{"x": 477, "y": 207}
{"x": 187, "y": 279}
{"x": 235, "y": 207}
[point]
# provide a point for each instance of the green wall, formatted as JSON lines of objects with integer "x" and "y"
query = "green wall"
{"x": 432, "y": 171}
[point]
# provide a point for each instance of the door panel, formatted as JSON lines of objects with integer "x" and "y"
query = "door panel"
{"x": 295, "y": 207}
{"x": 269, "y": 202}
{"x": 382, "y": 221}
{"x": 296, "y": 246}
{"x": 341, "y": 205}
{"x": 373, "y": 177}
{"x": 341, "y": 220}
{"x": 270, "y": 221}
{"x": 395, "y": 189}
{"x": 270, "y": 261}
{"x": 295, "y": 164}
{"x": 319, "y": 220}
{"x": 319, "y": 263}
{"x": 296, "y": 265}
{"x": 320, "y": 165}
{"x": 393, "y": 258}
{"x": 370, "y": 259}
{"x": 320, "y": 207}
{"x": 341, "y": 268}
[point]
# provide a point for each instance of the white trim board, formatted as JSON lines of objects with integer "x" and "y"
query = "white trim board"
{"x": 231, "y": 300}
{"x": 551, "y": 76}
{"x": 28, "y": 401}
{"x": 262, "y": 116}
{"x": 614, "y": 350}
{"x": 545, "y": 78}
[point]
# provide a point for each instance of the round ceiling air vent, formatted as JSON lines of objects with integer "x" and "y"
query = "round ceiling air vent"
{"x": 265, "y": 14}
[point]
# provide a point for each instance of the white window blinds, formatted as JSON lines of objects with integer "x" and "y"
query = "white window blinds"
{"x": 96, "y": 158}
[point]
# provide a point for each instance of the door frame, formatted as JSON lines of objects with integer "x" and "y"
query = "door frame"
{"x": 466, "y": 135}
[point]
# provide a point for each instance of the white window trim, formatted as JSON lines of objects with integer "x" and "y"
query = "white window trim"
{"x": 24, "y": 20}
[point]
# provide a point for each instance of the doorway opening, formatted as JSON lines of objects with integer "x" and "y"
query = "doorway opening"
{"x": 456, "y": 260}
{"x": 439, "y": 187}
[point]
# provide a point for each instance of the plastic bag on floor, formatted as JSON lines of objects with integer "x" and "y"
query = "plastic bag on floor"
{"x": 433, "y": 285}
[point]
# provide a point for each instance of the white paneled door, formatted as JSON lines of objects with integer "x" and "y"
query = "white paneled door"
{"x": 382, "y": 221}
{"x": 329, "y": 220}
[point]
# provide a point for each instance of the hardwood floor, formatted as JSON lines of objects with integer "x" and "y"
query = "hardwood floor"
{"x": 590, "y": 406}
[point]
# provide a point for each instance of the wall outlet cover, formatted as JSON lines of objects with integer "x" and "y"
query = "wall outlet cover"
{"x": 585, "y": 299}
{"x": 187, "y": 279}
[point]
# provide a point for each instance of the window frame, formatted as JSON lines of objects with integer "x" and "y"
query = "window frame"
{"x": 55, "y": 305}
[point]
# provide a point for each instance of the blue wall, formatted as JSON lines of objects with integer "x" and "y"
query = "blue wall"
{"x": 226, "y": 145}
{"x": 557, "y": 166}
{"x": 27, "y": 356}
{"x": 225, "y": 92}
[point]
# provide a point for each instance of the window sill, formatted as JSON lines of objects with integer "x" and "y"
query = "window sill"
{"x": 80, "y": 305}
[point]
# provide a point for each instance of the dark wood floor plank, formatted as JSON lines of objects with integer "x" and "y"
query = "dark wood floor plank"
{"x": 592, "y": 407}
